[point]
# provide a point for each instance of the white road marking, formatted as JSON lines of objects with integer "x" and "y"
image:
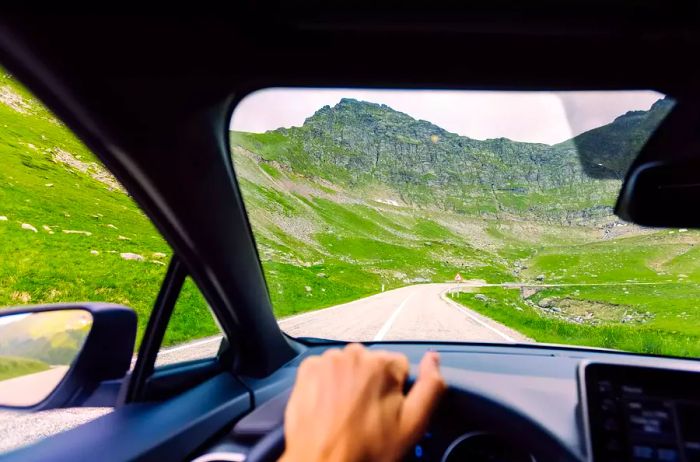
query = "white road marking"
{"x": 474, "y": 318}
{"x": 380, "y": 335}
{"x": 296, "y": 317}
{"x": 389, "y": 322}
{"x": 190, "y": 345}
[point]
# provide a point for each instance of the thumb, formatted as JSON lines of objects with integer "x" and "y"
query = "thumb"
{"x": 422, "y": 399}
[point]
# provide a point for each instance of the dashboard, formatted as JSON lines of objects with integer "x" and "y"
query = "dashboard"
{"x": 514, "y": 403}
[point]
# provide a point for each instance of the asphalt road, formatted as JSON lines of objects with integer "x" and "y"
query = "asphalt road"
{"x": 31, "y": 388}
{"x": 418, "y": 312}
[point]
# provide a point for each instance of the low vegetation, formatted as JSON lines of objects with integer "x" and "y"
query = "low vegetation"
{"x": 508, "y": 307}
{"x": 11, "y": 366}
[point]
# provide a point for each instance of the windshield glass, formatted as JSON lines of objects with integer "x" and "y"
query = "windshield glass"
{"x": 462, "y": 216}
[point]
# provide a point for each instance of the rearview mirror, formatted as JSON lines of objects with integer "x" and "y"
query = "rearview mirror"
{"x": 59, "y": 355}
{"x": 662, "y": 194}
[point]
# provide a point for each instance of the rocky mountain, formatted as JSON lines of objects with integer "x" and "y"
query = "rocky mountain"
{"x": 367, "y": 146}
{"x": 362, "y": 198}
{"x": 608, "y": 151}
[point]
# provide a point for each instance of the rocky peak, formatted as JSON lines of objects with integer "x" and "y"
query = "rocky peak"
{"x": 361, "y": 143}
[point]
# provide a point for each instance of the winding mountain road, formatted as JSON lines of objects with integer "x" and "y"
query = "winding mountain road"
{"x": 417, "y": 312}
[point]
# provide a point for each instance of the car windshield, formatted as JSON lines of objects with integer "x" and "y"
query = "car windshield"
{"x": 465, "y": 216}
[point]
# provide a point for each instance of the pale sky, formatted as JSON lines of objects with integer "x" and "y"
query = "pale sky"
{"x": 540, "y": 117}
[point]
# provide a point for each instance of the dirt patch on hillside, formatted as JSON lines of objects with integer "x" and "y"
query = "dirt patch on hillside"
{"x": 308, "y": 190}
{"x": 535, "y": 232}
{"x": 13, "y": 100}
{"x": 591, "y": 312}
{"x": 93, "y": 169}
{"x": 263, "y": 220}
{"x": 675, "y": 244}
{"x": 674, "y": 251}
{"x": 618, "y": 229}
{"x": 474, "y": 233}
{"x": 249, "y": 166}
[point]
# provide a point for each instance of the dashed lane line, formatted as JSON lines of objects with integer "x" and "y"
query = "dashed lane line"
{"x": 389, "y": 322}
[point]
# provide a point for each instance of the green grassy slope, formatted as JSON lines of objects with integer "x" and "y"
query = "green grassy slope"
{"x": 321, "y": 245}
{"x": 637, "y": 293}
{"x": 36, "y": 189}
{"x": 325, "y": 242}
{"x": 508, "y": 307}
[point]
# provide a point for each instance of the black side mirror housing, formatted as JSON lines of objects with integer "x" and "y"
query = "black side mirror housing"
{"x": 93, "y": 378}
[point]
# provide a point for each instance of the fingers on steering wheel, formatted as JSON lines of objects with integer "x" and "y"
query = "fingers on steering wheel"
{"x": 423, "y": 397}
{"x": 398, "y": 367}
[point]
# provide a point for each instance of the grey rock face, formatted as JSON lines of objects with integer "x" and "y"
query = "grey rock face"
{"x": 363, "y": 143}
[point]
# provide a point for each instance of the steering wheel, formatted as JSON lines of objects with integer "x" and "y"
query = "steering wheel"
{"x": 269, "y": 448}
{"x": 491, "y": 415}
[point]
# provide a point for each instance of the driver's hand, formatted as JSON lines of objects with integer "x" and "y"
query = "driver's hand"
{"x": 348, "y": 405}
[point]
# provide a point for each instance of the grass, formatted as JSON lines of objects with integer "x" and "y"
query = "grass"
{"x": 355, "y": 247}
{"x": 507, "y": 307}
{"x": 191, "y": 318}
{"x": 673, "y": 306}
{"x": 350, "y": 249}
{"x": 646, "y": 272}
{"x": 361, "y": 250}
{"x": 50, "y": 265}
{"x": 12, "y": 366}
{"x": 295, "y": 289}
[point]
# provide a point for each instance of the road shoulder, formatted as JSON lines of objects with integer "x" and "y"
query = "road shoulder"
{"x": 505, "y": 332}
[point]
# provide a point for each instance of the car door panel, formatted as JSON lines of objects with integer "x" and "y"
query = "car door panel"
{"x": 168, "y": 430}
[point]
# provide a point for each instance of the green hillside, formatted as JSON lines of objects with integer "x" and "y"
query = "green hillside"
{"x": 359, "y": 199}
{"x": 322, "y": 243}
{"x": 66, "y": 222}
{"x": 362, "y": 197}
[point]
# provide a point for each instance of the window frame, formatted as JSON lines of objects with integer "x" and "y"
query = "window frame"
{"x": 146, "y": 381}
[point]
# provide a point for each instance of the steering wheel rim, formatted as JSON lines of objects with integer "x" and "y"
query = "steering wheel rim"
{"x": 494, "y": 417}
{"x": 497, "y": 418}
{"x": 269, "y": 448}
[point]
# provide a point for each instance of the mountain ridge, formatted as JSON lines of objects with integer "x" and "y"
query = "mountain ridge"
{"x": 364, "y": 145}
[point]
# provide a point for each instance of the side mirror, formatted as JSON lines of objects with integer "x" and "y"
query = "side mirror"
{"x": 59, "y": 355}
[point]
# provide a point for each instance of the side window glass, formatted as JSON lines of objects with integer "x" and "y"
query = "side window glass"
{"x": 70, "y": 232}
{"x": 193, "y": 331}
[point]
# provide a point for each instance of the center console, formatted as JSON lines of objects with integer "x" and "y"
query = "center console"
{"x": 640, "y": 414}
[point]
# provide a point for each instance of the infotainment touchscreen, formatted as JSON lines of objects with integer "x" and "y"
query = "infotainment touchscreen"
{"x": 641, "y": 414}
